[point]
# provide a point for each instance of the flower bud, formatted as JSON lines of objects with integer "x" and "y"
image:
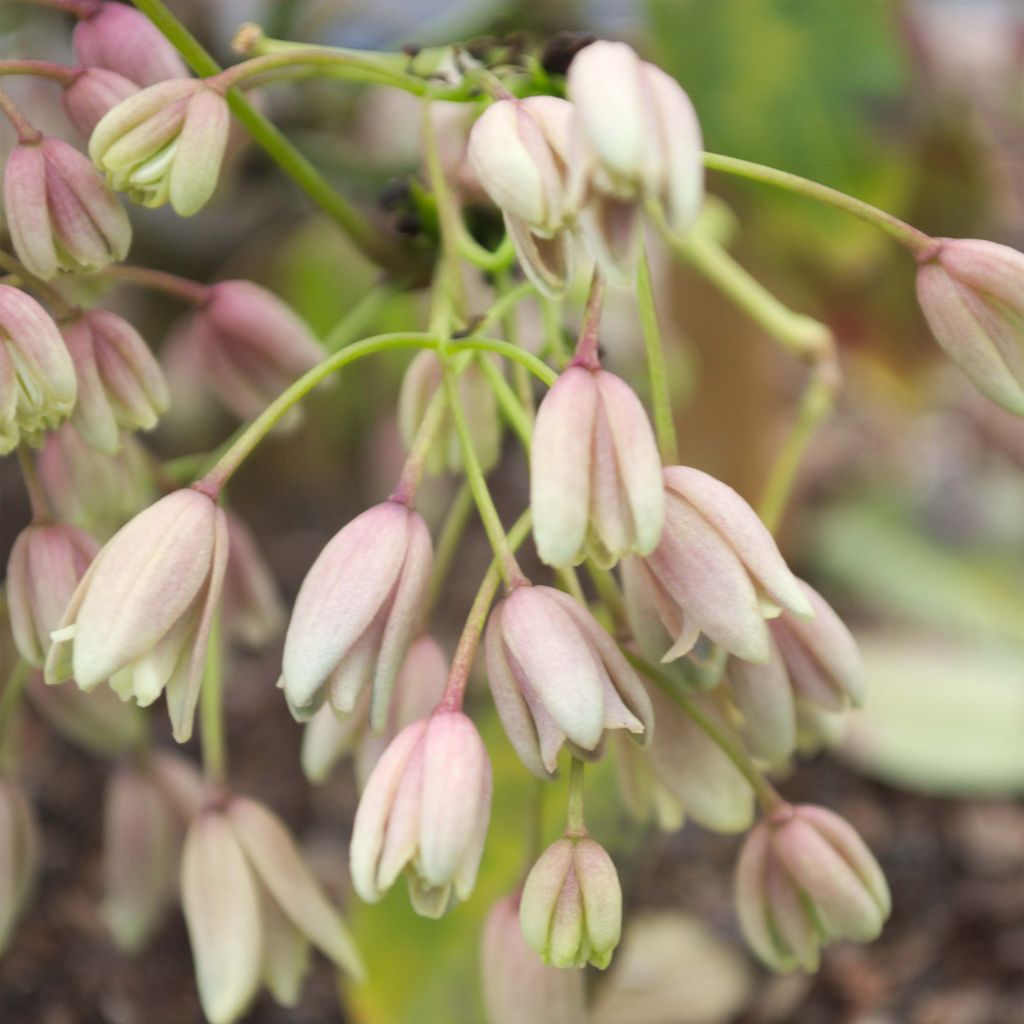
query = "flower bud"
{"x": 123, "y": 40}
{"x": 557, "y": 677}
{"x": 253, "y": 614}
{"x": 595, "y": 477}
{"x": 141, "y": 615}
{"x": 355, "y": 614}
{"x": 120, "y": 384}
{"x": 972, "y": 294}
{"x": 767, "y": 706}
{"x": 91, "y": 93}
{"x": 60, "y": 213}
{"x": 94, "y": 491}
{"x": 716, "y": 571}
{"x": 252, "y": 345}
{"x": 19, "y": 844}
{"x": 37, "y": 377}
{"x": 519, "y": 988}
{"x": 635, "y": 138}
{"x": 164, "y": 144}
{"x": 571, "y": 909}
{"x": 425, "y": 811}
{"x": 519, "y": 150}
{"x": 420, "y": 384}
{"x": 45, "y": 565}
{"x": 804, "y": 879}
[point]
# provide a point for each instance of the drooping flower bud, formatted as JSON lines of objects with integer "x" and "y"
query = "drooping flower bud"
{"x": 557, "y": 677}
{"x": 252, "y": 344}
{"x": 767, "y": 706}
{"x": 635, "y": 139}
{"x": 121, "y": 387}
{"x": 805, "y": 879}
{"x": 355, "y": 614}
{"x": 518, "y": 986}
{"x": 37, "y": 377}
{"x": 123, "y": 40}
{"x": 419, "y": 385}
{"x": 91, "y": 93}
{"x": 716, "y": 571}
{"x": 94, "y": 491}
{"x": 141, "y": 616}
{"x": 519, "y": 150}
{"x": 60, "y": 213}
{"x": 19, "y": 844}
{"x": 972, "y": 294}
{"x": 253, "y": 614}
{"x": 46, "y": 563}
{"x": 164, "y": 144}
{"x": 424, "y": 811}
{"x": 571, "y": 908}
{"x": 595, "y": 474}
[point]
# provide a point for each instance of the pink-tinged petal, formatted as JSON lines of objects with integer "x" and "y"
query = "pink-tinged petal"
{"x": 547, "y": 262}
{"x": 124, "y": 40}
{"x": 26, "y": 210}
{"x": 200, "y": 152}
{"x": 765, "y": 700}
{"x": 327, "y": 738}
{"x": 797, "y": 939}
{"x": 560, "y": 467}
{"x": 401, "y": 836}
{"x": 286, "y": 953}
{"x": 92, "y": 417}
{"x": 612, "y": 230}
{"x": 601, "y": 895}
{"x": 93, "y": 93}
{"x": 751, "y": 897}
{"x": 159, "y": 101}
{"x": 541, "y": 893}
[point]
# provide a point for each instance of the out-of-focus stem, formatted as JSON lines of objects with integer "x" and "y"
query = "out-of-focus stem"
{"x": 211, "y": 710}
{"x": 586, "y": 354}
{"x": 574, "y": 824}
{"x": 184, "y": 288}
{"x": 661, "y": 396}
{"x": 40, "y": 68}
{"x": 447, "y": 544}
{"x": 33, "y": 485}
{"x": 10, "y": 698}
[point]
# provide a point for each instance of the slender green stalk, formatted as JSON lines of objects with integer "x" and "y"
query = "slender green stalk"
{"x": 608, "y": 591}
{"x": 510, "y": 330}
{"x": 765, "y": 792}
{"x": 194, "y": 292}
{"x": 447, "y": 545}
{"x": 512, "y": 408}
{"x": 501, "y": 306}
{"x": 211, "y": 710}
{"x": 365, "y": 235}
{"x": 10, "y": 698}
{"x": 554, "y": 340}
{"x": 661, "y": 393}
{"x": 571, "y": 581}
{"x": 359, "y": 318}
{"x": 534, "y": 830}
{"x": 539, "y": 369}
{"x": 913, "y": 239}
{"x": 574, "y": 824}
{"x": 471, "y": 250}
{"x": 33, "y": 485}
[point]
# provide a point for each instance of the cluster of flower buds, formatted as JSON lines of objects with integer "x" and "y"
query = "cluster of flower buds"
{"x": 253, "y": 910}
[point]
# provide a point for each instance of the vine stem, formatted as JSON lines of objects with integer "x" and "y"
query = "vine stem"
{"x": 51, "y": 294}
{"x": 767, "y": 796}
{"x": 365, "y": 235}
{"x": 194, "y": 292}
{"x": 907, "y": 235}
{"x": 586, "y": 354}
{"x": 211, "y": 711}
{"x": 24, "y": 129}
{"x": 661, "y": 396}
{"x": 36, "y": 495}
{"x": 41, "y": 69}
{"x": 574, "y": 824}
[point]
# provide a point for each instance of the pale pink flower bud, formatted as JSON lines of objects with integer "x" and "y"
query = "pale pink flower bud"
{"x": 519, "y": 150}
{"x": 121, "y": 39}
{"x": 60, "y": 213}
{"x": 805, "y": 879}
{"x": 571, "y": 908}
{"x": 164, "y": 144}
{"x": 716, "y": 571}
{"x": 972, "y": 294}
{"x": 420, "y": 384}
{"x": 636, "y": 139}
{"x": 767, "y": 706}
{"x": 425, "y": 811}
{"x": 19, "y": 845}
{"x": 355, "y": 614}
{"x": 37, "y": 377}
{"x": 45, "y": 565}
{"x": 141, "y": 616}
{"x": 644, "y": 794}
{"x": 91, "y": 93}
{"x": 557, "y": 677}
{"x": 519, "y": 988}
{"x": 253, "y": 614}
{"x": 595, "y": 473}
{"x": 94, "y": 491}
{"x": 121, "y": 387}
{"x": 252, "y": 344}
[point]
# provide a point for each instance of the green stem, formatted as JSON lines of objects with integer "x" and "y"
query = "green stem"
{"x": 534, "y": 830}
{"x": 512, "y": 408}
{"x": 500, "y": 307}
{"x": 608, "y": 590}
{"x": 471, "y": 250}
{"x": 447, "y": 545}
{"x": 914, "y": 240}
{"x": 539, "y": 369}
{"x": 211, "y": 711}
{"x": 574, "y": 824}
{"x": 661, "y": 396}
{"x": 765, "y": 792}
{"x": 510, "y": 329}
{"x": 554, "y": 340}
{"x": 358, "y": 319}
{"x": 366, "y": 236}
{"x": 41, "y": 68}
{"x": 10, "y": 698}
{"x": 36, "y": 495}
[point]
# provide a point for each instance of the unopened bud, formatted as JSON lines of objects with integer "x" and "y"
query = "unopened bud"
{"x": 972, "y": 294}
{"x": 37, "y": 377}
{"x": 91, "y": 93}
{"x": 141, "y": 616}
{"x": 60, "y": 212}
{"x": 164, "y": 144}
{"x": 595, "y": 473}
{"x": 121, "y": 387}
{"x": 805, "y": 879}
{"x": 571, "y": 909}
{"x": 19, "y": 845}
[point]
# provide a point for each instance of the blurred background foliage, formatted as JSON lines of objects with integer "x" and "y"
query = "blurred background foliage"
{"x": 909, "y": 514}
